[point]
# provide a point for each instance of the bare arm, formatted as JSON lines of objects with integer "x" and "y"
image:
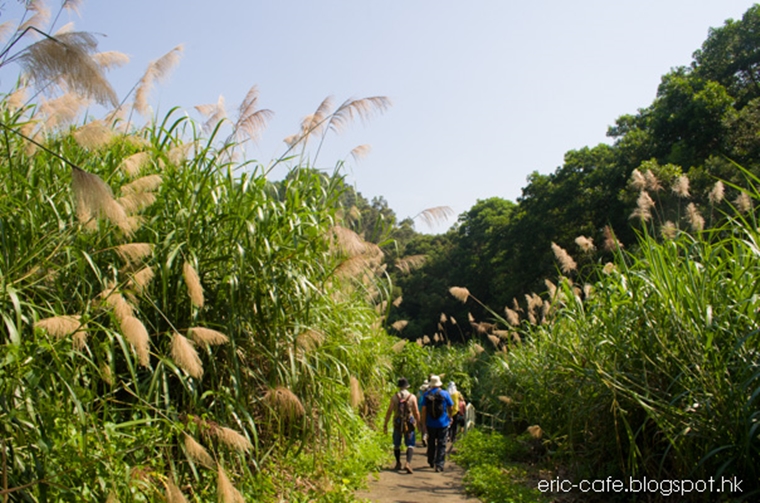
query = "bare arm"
{"x": 388, "y": 416}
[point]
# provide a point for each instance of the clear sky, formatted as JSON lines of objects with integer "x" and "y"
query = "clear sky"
{"x": 483, "y": 92}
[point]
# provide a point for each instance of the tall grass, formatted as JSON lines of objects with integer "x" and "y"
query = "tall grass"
{"x": 656, "y": 364}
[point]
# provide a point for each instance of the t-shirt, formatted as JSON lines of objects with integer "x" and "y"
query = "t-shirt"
{"x": 444, "y": 420}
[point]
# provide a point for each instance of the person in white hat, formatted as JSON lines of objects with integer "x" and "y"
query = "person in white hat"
{"x": 437, "y": 409}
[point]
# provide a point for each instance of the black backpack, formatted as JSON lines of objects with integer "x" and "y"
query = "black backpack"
{"x": 437, "y": 404}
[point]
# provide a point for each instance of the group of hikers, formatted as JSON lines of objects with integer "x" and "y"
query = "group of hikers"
{"x": 437, "y": 412}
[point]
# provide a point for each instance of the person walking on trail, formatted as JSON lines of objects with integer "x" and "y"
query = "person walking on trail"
{"x": 406, "y": 415}
{"x": 420, "y": 395}
{"x": 437, "y": 409}
{"x": 457, "y": 419}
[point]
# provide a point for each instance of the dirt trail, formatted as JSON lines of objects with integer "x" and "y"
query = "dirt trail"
{"x": 420, "y": 487}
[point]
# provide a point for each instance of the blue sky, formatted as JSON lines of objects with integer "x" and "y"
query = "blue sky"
{"x": 483, "y": 92}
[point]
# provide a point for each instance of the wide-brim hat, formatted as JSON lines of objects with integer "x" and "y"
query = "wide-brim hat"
{"x": 403, "y": 383}
{"x": 435, "y": 382}
{"x": 424, "y": 386}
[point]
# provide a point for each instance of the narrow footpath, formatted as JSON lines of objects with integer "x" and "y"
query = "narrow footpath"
{"x": 422, "y": 486}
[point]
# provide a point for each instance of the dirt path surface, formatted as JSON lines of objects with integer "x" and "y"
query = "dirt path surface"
{"x": 424, "y": 485}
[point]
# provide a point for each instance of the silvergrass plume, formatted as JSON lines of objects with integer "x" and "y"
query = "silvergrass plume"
{"x": 566, "y": 262}
{"x": 233, "y": 439}
{"x": 284, "y": 402}
{"x": 459, "y": 293}
{"x": 134, "y": 163}
{"x": 585, "y": 244}
{"x": 173, "y": 494}
{"x": 644, "y": 205}
{"x": 157, "y": 71}
{"x": 134, "y": 331}
{"x": 193, "y": 283}
{"x": 93, "y": 135}
{"x": 410, "y": 263}
{"x": 251, "y": 121}
{"x": 399, "y": 325}
{"x": 743, "y": 202}
{"x": 197, "y": 452}
{"x": 67, "y": 58}
{"x": 226, "y": 492}
{"x": 356, "y": 393}
{"x": 208, "y": 336}
{"x": 681, "y": 186}
{"x": 214, "y": 113}
{"x": 397, "y": 301}
{"x": 696, "y": 220}
{"x": 668, "y": 230}
{"x": 717, "y": 193}
{"x": 186, "y": 356}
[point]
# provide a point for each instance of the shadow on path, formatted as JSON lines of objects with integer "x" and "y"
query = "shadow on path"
{"x": 419, "y": 487}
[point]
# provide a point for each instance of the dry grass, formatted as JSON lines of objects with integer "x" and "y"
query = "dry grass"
{"x": 197, "y": 452}
{"x": 131, "y": 253}
{"x": 233, "y": 439}
{"x": 94, "y": 198}
{"x": 356, "y": 394}
{"x": 284, "y": 402}
{"x": 310, "y": 340}
{"x": 186, "y": 356}
{"x": 93, "y": 135}
{"x": 399, "y": 346}
{"x": 67, "y": 58}
{"x": 208, "y": 336}
{"x": 173, "y": 494}
{"x": 137, "y": 335}
{"x": 63, "y": 326}
{"x": 512, "y": 316}
{"x": 226, "y": 492}
{"x": 399, "y": 325}
{"x": 133, "y": 164}
{"x": 460, "y": 293}
{"x": 566, "y": 262}
{"x": 157, "y": 71}
{"x": 193, "y": 283}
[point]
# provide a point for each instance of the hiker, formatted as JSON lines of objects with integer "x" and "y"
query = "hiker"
{"x": 420, "y": 395}
{"x": 406, "y": 415}
{"x": 437, "y": 408}
{"x": 457, "y": 421}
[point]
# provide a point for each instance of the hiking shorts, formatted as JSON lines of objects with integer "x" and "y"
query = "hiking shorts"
{"x": 409, "y": 438}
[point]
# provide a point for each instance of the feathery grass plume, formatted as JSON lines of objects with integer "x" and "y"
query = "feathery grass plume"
{"x": 410, "y": 263}
{"x": 186, "y": 356}
{"x": 638, "y": 181}
{"x": 284, "y": 402}
{"x": 356, "y": 393}
{"x": 178, "y": 154}
{"x": 516, "y": 337}
{"x": 208, "y": 336}
{"x": 134, "y": 331}
{"x": 399, "y": 346}
{"x": 453, "y": 320}
{"x": 233, "y": 439}
{"x": 61, "y": 110}
{"x": 39, "y": 19}
{"x": 566, "y": 262}
{"x": 16, "y": 99}
{"x": 502, "y": 334}
{"x": 93, "y": 135}
{"x": 435, "y": 337}
{"x": 193, "y": 283}
{"x": 67, "y": 58}
{"x": 214, "y": 113}
{"x": 696, "y": 220}
{"x": 516, "y": 305}
{"x": 110, "y": 59}
{"x": 309, "y": 340}
{"x": 460, "y": 293}
{"x": 360, "y": 152}
{"x": 133, "y": 252}
{"x": 434, "y": 216}
{"x": 425, "y": 339}
{"x": 551, "y": 288}
{"x": 158, "y": 70}
{"x": 72, "y": 5}
{"x": 494, "y": 340}
{"x": 399, "y": 325}
{"x": 106, "y": 374}
{"x": 397, "y": 301}
{"x": 442, "y": 318}
{"x": 136, "y": 202}
{"x": 585, "y": 244}
{"x": 609, "y": 268}
{"x": 588, "y": 291}
{"x": 653, "y": 183}
{"x": 59, "y": 326}
{"x": 505, "y": 399}
{"x": 121, "y": 308}
{"x": 347, "y": 241}
{"x": 95, "y": 198}
{"x": 644, "y": 205}
{"x": 67, "y": 28}
{"x": 173, "y": 494}
{"x": 477, "y": 349}
{"x": 535, "y": 431}
{"x": 669, "y": 230}
{"x": 197, "y": 452}
{"x": 532, "y": 318}
{"x": 142, "y": 184}
{"x": 251, "y": 122}
{"x": 716, "y": 193}
{"x": 226, "y": 492}
{"x": 512, "y": 317}
{"x": 743, "y": 202}
{"x": 681, "y": 186}
{"x": 313, "y": 123}
{"x": 363, "y": 108}
{"x": 134, "y": 163}
{"x": 5, "y": 29}
{"x": 112, "y": 498}
{"x": 610, "y": 241}
{"x": 419, "y": 342}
